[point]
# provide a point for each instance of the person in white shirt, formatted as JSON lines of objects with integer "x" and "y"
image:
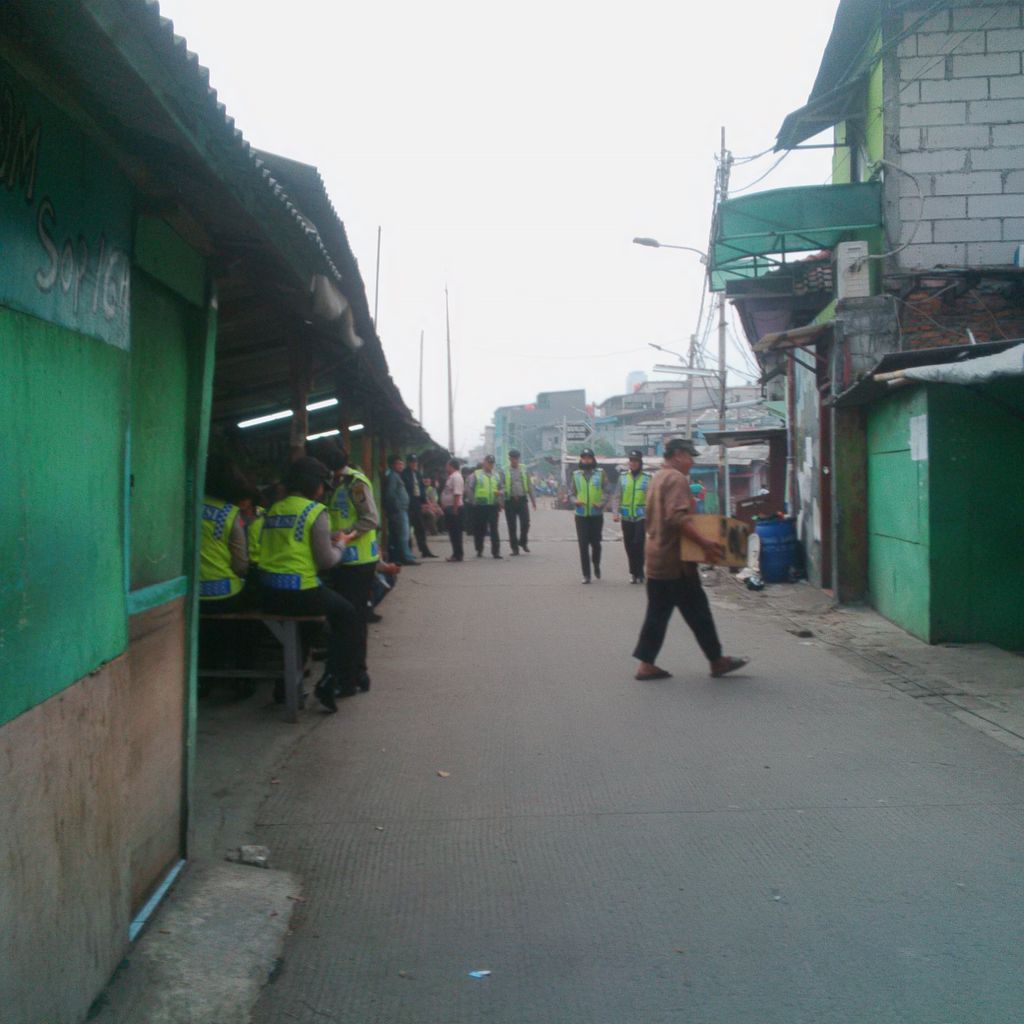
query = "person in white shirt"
{"x": 451, "y": 501}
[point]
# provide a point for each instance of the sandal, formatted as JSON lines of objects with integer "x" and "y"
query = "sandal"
{"x": 731, "y": 664}
{"x": 657, "y": 674}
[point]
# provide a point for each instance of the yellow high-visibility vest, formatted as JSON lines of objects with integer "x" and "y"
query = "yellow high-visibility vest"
{"x": 364, "y": 550}
{"x": 589, "y": 492}
{"x": 217, "y": 580}
{"x": 286, "y": 555}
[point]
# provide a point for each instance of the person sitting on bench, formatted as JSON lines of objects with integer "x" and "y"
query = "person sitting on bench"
{"x": 223, "y": 552}
{"x": 295, "y": 545}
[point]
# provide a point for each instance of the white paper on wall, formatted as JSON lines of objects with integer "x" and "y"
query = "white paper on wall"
{"x": 919, "y": 438}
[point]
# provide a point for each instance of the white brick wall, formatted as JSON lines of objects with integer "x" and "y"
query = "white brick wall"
{"x": 960, "y": 77}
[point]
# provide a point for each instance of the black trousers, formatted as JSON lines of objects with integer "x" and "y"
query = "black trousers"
{"x": 355, "y": 584}
{"x": 485, "y": 520}
{"x": 633, "y": 534}
{"x": 453, "y": 523}
{"x": 342, "y": 625}
{"x": 419, "y": 528}
{"x": 588, "y": 536}
{"x": 688, "y": 596}
{"x": 226, "y": 644}
{"x": 517, "y": 517}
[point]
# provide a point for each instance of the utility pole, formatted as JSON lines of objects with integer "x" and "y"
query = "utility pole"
{"x": 376, "y": 283}
{"x": 723, "y": 453}
{"x": 421, "y": 376}
{"x": 451, "y": 406}
{"x": 689, "y": 387}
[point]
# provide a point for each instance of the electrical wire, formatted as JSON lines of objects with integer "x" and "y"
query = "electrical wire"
{"x": 755, "y": 156}
{"x": 589, "y": 355}
{"x": 757, "y": 181}
{"x": 920, "y": 213}
{"x": 897, "y": 100}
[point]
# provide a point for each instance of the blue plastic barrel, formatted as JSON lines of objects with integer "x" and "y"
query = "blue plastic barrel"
{"x": 778, "y": 546}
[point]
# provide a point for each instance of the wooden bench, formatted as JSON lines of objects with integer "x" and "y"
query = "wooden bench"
{"x": 285, "y": 629}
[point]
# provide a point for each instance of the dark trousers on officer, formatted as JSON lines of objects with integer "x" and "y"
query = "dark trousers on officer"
{"x": 633, "y": 533}
{"x": 485, "y": 520}
{"x": 588, "y": 536}
{"x": 688, "y": 596}
{"x": 355, "y": 584}
{"x": 453, "y": 523}
{"x": 517, "y": 518}
{"x": 342, "y": 625}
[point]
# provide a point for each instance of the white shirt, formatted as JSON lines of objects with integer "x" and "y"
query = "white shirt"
{"x": 454, "y": 485}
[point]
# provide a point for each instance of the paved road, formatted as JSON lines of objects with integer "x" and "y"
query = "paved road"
{"x": 798, "y": 844}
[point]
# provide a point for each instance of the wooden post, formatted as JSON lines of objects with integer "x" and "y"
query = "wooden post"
{"x": 300, "y": 372}
{"x": 850, "y": 504}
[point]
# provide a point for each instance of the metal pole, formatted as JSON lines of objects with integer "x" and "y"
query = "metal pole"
{"x": 723, "y": 452}
{"x": 421, "y": 376}
{"x": 451, "y": 406}
{"x": 689, "y": 387}
{"x": 376, "y": 281}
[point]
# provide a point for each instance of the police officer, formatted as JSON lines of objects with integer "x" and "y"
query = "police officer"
{"x": 518, "y": 498}
{"x": 484, "y": 495}
{"x": 223, "y": 549}
{"x": 352, "y": 511}
{"x": 297, "y": 545}
{"x": 632, "y": 513}
{"x": 590, "y": 493}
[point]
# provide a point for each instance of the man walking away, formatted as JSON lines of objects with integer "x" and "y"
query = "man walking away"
{"x": 632, "y": 513}
{"x": 671, "y": 582}
{"x": 591, "y": 492}
{"x": 518, "y": 498}
{"x": 483, "y": 491}
{"x": 413, "y": 480}
{"x": 451, "y": 502}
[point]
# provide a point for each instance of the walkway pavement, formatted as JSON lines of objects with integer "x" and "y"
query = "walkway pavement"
{"x": 801, "y": 843}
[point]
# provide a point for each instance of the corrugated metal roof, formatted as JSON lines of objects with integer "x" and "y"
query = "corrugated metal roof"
{"x": 176, "y": 47}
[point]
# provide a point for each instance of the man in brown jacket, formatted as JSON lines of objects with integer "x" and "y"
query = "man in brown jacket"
{"x": 671, "y": 582}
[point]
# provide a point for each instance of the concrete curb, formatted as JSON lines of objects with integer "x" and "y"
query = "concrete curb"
{"x": 208, "y": 951}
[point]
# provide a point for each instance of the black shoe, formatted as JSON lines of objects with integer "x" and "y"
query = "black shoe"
{"x": 427, "y": 554}
{"x": 597, "y": 572}
{"x": 497, "y": 556}
{"x": 363, "y": 682}
{"x": 525, "y": 548}
{"x": 515, "y": 551}
{"x": 454, "y": 558}
{"x": 324, "y": 693}
{"x": 374, "y": 617}
{"x": 479, "y": 554}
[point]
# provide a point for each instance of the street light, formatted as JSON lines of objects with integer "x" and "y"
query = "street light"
{"x": 723, "y": 453}
{"x": 653, "y": 243}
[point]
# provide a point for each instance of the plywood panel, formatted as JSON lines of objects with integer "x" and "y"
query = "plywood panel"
{"x": 64, "y": 905}
{"x": 155, "y": 728}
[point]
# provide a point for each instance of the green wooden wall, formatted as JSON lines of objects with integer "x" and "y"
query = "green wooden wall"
{"x": 945, "y": 560}
{"x": 976, "y": 441}
{"x": 64, "y": 419}
{"x": 161, "y": 329}
{"x": 898, "y": 511}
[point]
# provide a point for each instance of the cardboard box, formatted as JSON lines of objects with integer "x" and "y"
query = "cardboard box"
{"x": 732, "y": 534}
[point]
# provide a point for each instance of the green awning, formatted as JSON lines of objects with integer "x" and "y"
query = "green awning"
{"x": 753, "y": 234}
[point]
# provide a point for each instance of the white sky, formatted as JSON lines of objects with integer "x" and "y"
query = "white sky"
{"x": 514, "y": 152}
